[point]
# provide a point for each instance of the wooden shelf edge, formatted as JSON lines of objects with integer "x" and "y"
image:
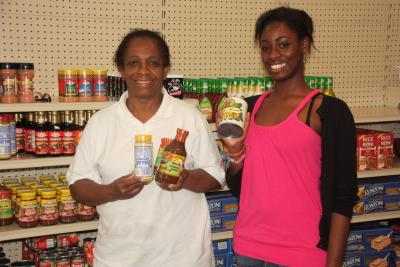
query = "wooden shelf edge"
{"x": 31, "y": 162}
{"x": 221, "y": 235}
{"x": 376, "y": 216}
{"x": 384, "y": 172}
{"x": 13, "y": 231}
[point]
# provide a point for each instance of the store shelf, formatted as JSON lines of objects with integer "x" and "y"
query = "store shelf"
{"x": 375, "y": 114}
{"x": 376, "y": 216}
{"x": 13, "y": 231}
{"x": 53, "y": 106}
{"x": 23, "y": 161}
{"x": 384, "y": 172}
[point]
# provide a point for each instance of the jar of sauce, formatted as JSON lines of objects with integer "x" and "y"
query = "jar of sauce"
{"x": 28, "y": 210}
{"x": 85, "y": 212}
{"x": 25, "y": 74}
{"x": 48, "y": 209}
{"x": 67, "y": 207}
{"x": 6, "y": 211}
{"x": 8, "y": 75}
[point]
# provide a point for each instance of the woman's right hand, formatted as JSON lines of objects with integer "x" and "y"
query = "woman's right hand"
{"x": 235, "y": 145}
{"x": 126, "y": 187}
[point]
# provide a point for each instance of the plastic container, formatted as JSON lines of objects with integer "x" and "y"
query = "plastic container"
{"x": 25, "y": 74}
{"x": 8, "y": 77}
{"x": 68, "y": 85}
{"x": 28, "y": 210}
{"x": 85, "y": 93}
{"x": 144, "y": 158}
{"x": 99, "y": 85}
{"x": 5, "y": 137}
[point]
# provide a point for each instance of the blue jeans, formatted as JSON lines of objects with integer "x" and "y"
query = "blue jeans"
{"x": 243, "y": 261}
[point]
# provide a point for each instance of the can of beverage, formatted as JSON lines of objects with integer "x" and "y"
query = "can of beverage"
{"x": 231, "y": 116}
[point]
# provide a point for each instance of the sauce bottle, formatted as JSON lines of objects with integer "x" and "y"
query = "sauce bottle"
{"x": 173, "y": 159}
{"x": 160, "y": 154}
{"x": 30, "y": 133}
{"x": 68, "y": 137}
{"x": 41, "y": 135}
{"x": 80, "y": 121}
{"x": 55, "y": 135}
{"x": 20, "y": 132}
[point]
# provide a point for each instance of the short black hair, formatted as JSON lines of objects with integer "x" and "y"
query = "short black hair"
{"x": 297, "y": 20}
{"x": 142, "y": 33}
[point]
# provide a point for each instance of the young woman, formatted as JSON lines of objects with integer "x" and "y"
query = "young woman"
{"x": 146, "y": 225}
{"x": 297, "y": 182}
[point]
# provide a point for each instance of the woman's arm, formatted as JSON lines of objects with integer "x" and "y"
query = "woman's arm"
{"x": 337, "y": 239}
{"x": 92, "y": 194}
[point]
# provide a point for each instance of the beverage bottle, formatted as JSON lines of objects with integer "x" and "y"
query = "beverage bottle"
{"x": 173, "y": 159}
{"x": 20, "y": 132}
{"x": 144, "y": 158}
{"x": 41, "y": 135}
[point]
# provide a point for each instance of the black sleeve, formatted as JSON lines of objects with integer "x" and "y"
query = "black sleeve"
{"x": 345, "y": 182}
{"x": 234, "y": 181}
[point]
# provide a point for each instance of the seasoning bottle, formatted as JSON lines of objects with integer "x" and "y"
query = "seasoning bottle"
{"x": 99, "y": 85}
{"x": 30, "y": 133}
{"x": 55, "y": 135}
{"x": 5, "y": 140}
{"x": 48, "y": 210}
{"x": 67, "y": 207}
{"x": 160, "y": 154}
{"x": 80, "y": 121}
{"x": 68, "y": 137}
{"x": 28, "y": 209}
{"x": 41, "y": 135}
{"x": 6, "y": 211}
{"x": 8, "y": 78}
{"x": 67, "y": 85}
{"x": 85, "y": 85}
{"x": 173, "y": 159}
{"x": 20, "y": 132}
{"x": 144, "y": 157}
{"x": 25, "y": 74}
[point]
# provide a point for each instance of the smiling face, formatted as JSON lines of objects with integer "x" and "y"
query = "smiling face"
{"x": 282, "y": 52}
{"x": 143, "y": 68}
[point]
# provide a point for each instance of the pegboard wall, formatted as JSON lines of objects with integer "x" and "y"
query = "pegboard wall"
{"x": 357, "y": 40}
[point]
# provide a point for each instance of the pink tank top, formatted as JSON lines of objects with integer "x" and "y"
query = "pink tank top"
{"x": 280, "y": 206}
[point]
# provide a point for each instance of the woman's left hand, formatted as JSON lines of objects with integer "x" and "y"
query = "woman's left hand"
{"x": 178, "y": 186}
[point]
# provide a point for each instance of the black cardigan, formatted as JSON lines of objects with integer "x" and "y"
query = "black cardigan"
{"x": 338, "y": 163}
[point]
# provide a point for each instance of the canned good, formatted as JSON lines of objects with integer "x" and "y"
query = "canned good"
{"x": 231, "y": 116}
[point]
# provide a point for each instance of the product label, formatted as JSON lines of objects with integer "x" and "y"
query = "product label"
{"x": 384, "y": 144}
{"x": 13, "y": 138}
{"x": 68, "y": 140}
{"x": 25, "y": 86}
{"x": 85, "y": 210}
{"x": 366, "y": 151}
{"x": 71, "y": 88}
{"x": 100, "y": 88}
{"x": 6, "y": 211}
{"x": 171, "y": 164}
{"x": 5, "y": 142}
{"x": 160, "y": 156}
{"x": 20, "y": 138}
{"x": 143, "y": 160}
{"x": 85, "y": 88}
{"x": 55, "y": 143}
{"x": 41, "y": 143}
{"x": 9, "y": 86}
{"x": 32, "y": 143}
{"x": 67, "y": 208}
{"x": 28, "y": 211}
{"x": 77, "y": 135}
{"x": 48, "y": 209}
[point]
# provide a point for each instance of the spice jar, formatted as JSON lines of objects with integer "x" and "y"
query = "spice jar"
{"x": 85, "y": 92}
{"x": 25, "y": 75}
{"x": 144, "y": 158}
{"x": 5, "y": 138}
{"x": 99, "y": 85}
{"x": 8, "y": 80}
{"x": 6, "y": 211}
{"x": 67, "y": 85}
{"x": 28, "y": 209}
{"x": 67, "y": 207}
{"x": 48, "y": 209}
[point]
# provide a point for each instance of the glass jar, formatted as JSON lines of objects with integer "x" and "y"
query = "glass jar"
{"x": 28, "y": 210}
{"x": 48, "y": 209}
{"x": 85, "y": 212}
{"x": 8, "y": 75}
{"x": 6, "y": 211}
{"x": 25, "y": 74}
{"x": 67, "y": 85}
{"x": 67, "y": 207}
{"x": 5, "y": 137}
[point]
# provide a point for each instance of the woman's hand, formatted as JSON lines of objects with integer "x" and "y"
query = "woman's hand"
{"x": 235, "y": 145}
{"x": 126, "y": 187}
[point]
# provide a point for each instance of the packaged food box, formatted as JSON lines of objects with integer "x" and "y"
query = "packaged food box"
{"x": 222, "y": 246}
{"x": 369, "y": 259}
{"x": 220, "y": 203}
{"x": 221, "y": 260}
{"x": 377, "y": 205}
{"x": 223, "y": 223}
{"x": 378, "y": 190}
{"x": 366, "y": 150}
{"x": 375, "y": 239}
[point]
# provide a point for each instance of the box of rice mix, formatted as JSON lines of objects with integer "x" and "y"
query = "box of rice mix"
{"x": 369, "y": 259}
{"x": 378, "y": 190}
{"x": 372, "y": 239}
{"x": 220, "y": 203}
{"x": 377, "y": 205}
{"x": 366, "y": 150}
{"x": 222, "y": 223}
{"x": 384, "y": 150}
{"x": 222, "y": 246}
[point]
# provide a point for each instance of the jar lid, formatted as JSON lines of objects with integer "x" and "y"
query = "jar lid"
{"x": 65, "y": 191}
{"x": 8, "y": 66}
{"x": 25, "y": 66}
{"x": 48, "y": 193}
{"x": 143, "y": 138}
{"x": 28, "y": 194}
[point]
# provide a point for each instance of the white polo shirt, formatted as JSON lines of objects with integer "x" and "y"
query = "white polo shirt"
{"x": 156, "y": 227}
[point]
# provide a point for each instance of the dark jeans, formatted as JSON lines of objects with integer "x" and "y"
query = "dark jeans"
{"x": 243, "y": 261}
